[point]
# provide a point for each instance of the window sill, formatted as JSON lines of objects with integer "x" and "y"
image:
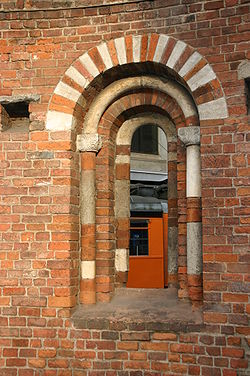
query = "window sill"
{"x": 144, "y": 156}
{"x": 140, "y": 309}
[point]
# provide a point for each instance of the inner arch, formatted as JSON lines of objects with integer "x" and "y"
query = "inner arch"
{"x": 109, "y": 111}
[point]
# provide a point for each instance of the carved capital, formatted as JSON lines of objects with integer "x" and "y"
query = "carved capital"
{"x": 88, "y": 142}
{"x": 189, "y": 135}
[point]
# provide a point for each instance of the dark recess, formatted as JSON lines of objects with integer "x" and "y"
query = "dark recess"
{"x": 17, "y": 109}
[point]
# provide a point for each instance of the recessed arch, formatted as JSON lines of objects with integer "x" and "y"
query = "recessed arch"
{"x": 127, "y": 129}
{"x": 151, "y": 101}
{"x": 185, "y": 62}
{"x": 124, "y": 86}
{"x": 122, "y": 206}
{"x": 116, "y": 119}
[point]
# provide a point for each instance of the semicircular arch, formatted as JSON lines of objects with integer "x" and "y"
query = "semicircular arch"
{"x": 176, "y": 55}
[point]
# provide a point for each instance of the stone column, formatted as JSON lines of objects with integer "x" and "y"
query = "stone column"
{"x": 122, "y": 214}
{"x": 172, "y": 212}
{"x": 88, "y": 145}
{"x": 190, "y": 136}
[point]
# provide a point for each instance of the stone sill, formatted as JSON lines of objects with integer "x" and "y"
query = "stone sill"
{"x": 141, "y": 309}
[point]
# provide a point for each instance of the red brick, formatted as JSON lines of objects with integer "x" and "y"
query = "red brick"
{"x": 135, "y": 336}
{"x": 232, "y": 352}
{"x": 239, "y": 363}
{"x": 127, "y": 346}
{"x": 229, "y": 297}
{"x": 215, "y": 317}
{"x": 164, "y": 336}
{"x": 181, "y": 348}
{"x": 137, "y": 365}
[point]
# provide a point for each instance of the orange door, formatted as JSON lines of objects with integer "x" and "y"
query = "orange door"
{"x": 146, "y": 260}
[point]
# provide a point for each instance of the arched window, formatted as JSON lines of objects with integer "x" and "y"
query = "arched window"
{"x": 148, "y": 208}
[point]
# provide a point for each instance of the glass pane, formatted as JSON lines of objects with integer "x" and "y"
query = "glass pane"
{"x": 145, "y": 140}
{"x": 139, "y": 223}
{"x": 138, "y": 242}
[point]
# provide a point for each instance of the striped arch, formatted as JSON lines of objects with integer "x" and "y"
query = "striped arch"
{"x": 192, "y": 67}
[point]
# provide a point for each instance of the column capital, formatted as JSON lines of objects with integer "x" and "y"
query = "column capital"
{"x": 189, "y": 135}
{"x": 88, "y": 142}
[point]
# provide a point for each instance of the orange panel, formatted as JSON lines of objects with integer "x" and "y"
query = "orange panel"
{"x": 165, "y": 247}
{"x": 155, "y": 237}
{"x": 148, "y": 271}
{"x": 145, "y": 272}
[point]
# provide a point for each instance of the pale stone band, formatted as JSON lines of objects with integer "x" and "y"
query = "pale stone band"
{"x": 88, "y": 269}
{"x": 193, "y": 171}
{"x": 194, "y": 248}
{"x": 190, "y": 136}
{"x": 121, "y": 260}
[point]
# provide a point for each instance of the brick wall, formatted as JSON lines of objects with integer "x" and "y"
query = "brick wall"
{"x": 39, "y": 203}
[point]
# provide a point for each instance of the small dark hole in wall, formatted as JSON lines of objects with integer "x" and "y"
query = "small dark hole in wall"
{"x": 247, "y": 90}
{"x": 17, "y": 109}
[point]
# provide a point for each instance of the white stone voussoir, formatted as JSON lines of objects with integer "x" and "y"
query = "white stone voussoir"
{"x": 76, "y": 76}
{"x": 104, "y": 52}
{"x": 176, "y": 53}
{"x": 59, "y": 121}
{"x": 190, "y": 64}
{"x": 136, "y": 48}
{"x": 121, "y": 50}
{"x": 202, "y": 77}
{"x": 89, "y": 65}
{"x": 216, "y": 109}
{"x": 67, "y": 91}
{"x": 160, "y": 48}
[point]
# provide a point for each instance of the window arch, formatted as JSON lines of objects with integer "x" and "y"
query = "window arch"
{"x": 68, "y": 107}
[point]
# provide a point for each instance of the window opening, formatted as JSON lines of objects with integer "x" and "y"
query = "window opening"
{"x": 138, "y": 237}
{"x": 17, "y": 109}
{"x": 148, "y": 203}
{"x": 145, "y": 140}
{"x": 16, "y": 115}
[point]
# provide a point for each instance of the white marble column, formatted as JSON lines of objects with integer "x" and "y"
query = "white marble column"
{"x": 190, "y": 136}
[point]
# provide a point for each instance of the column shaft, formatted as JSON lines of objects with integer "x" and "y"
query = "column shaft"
{"x": 172, "y": 257}
{"x": 190, "y": 136}
{"x": 88, "y": 233}
{"x": 194, "y": 228}
{"x": 122, "y": 214}
{"x": 193, "y": 171}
